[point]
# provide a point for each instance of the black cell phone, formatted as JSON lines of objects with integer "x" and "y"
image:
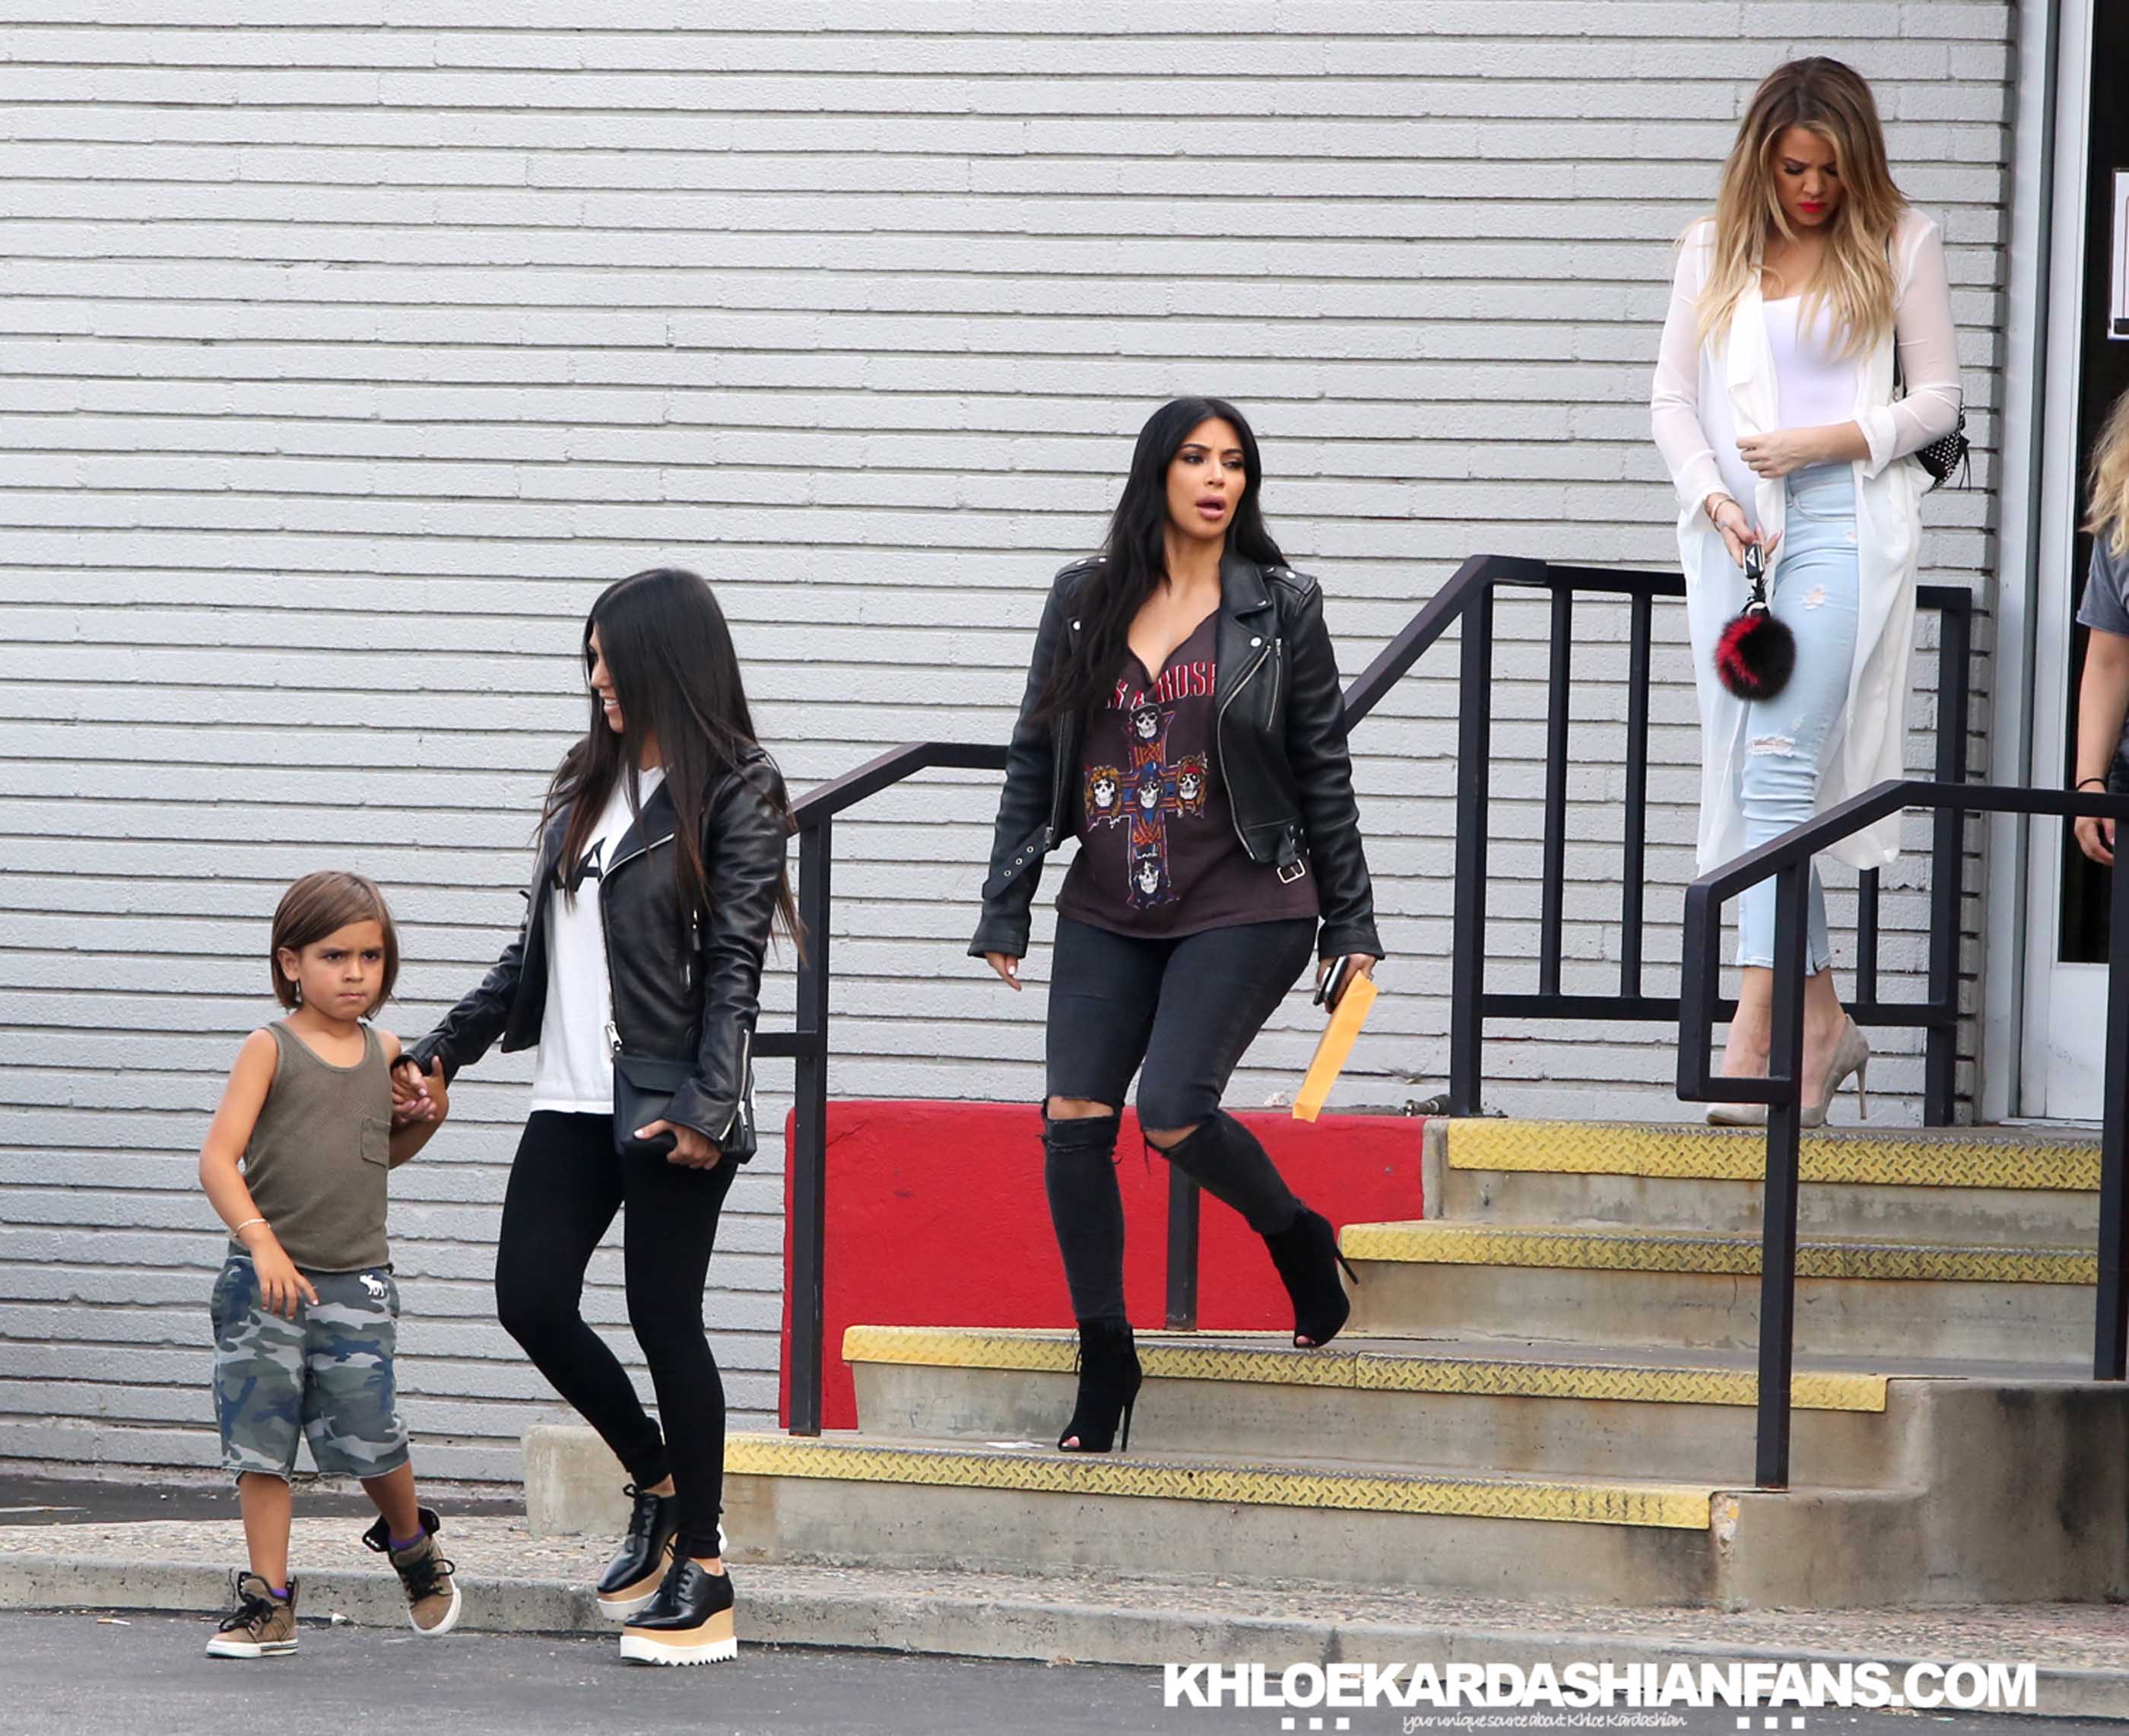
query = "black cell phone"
{"x": 1334, "y": 983}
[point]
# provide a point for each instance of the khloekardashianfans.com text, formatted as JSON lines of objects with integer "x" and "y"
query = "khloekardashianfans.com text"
{"x": 1583, "y": 1686}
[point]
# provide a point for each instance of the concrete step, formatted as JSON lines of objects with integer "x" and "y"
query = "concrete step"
{"x": 1697, "y": 1291}
{"x": 867, "y": 1499}
{"x": 1994, "y": 1186}
{"x": 1487, "y": 1407}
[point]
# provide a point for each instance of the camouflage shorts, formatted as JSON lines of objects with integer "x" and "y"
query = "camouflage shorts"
{"x": 325, "y": 1375}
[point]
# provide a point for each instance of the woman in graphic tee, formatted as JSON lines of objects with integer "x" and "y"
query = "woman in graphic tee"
{"x": 1183, "y": 719}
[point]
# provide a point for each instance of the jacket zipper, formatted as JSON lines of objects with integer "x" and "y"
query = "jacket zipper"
{"x": 606, "y": 939}
{"x": 1061, "y": 780}
{"x": 1220, "y": 743}
{"x": 738, "y": 1103}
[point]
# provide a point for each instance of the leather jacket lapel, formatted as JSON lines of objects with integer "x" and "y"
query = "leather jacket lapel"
{"x": 1245, "y": 607}
{"x": 651, "y": 827}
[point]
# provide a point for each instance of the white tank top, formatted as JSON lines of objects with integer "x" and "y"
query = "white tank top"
{"x": 1816, "y": 387}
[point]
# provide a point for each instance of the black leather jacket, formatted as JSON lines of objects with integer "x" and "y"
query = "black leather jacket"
{"x": 671, "y": 1001}
{"x": 1281, "y": 742}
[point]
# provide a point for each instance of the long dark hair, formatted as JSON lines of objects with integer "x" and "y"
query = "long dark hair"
{"x": 675, "y": 672}
{"x": 1136, "y": 548}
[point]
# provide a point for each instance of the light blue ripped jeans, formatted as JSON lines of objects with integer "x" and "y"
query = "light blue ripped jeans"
{"x": 1786, "y": 737}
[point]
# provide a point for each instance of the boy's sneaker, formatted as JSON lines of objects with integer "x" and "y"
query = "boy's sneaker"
{"x": 432, "y": 1594}
{"x": 261, "y": 1625}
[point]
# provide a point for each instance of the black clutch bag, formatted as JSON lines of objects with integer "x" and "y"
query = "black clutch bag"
{"x": 643, "y": 1089}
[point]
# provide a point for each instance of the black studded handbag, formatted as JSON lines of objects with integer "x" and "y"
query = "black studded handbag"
{"x": 1940, "y": 457}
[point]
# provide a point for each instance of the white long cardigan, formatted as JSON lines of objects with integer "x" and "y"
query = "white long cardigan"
{"x": 1707, "y": 396}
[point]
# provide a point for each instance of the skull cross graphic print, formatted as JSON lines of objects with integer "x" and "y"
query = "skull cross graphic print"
{"x": 1157, "y": 852}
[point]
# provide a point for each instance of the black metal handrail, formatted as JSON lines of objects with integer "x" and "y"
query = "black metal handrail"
{"x": 807, "y": 1043}
{"x": 1787, "y": 859}
{"x": 1467, "y": 597}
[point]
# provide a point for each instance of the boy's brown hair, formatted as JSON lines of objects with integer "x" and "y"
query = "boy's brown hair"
{"x": 320, "y": 904}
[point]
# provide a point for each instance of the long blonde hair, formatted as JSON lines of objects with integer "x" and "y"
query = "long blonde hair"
{"x": 2109, "y": 511}
{"x": 1855, "y": 280}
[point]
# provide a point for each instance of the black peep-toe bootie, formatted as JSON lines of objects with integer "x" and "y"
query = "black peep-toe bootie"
{"x": 1306, "y": 1253}
{"x": 630, "y": 1580}
{"x": 1109, "y": 1379}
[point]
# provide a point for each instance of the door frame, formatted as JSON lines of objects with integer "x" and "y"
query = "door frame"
{"x": 2055, "y": 1080}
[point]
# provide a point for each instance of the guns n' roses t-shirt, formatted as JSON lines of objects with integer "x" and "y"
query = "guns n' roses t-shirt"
{"x": 1158, "y": 855}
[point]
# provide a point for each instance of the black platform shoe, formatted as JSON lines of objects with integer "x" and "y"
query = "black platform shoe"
{"x": 1306, "y": 1253}
{"x": 1109, "y": 1377}
{"x": 689, "y": 1620}
{"x": 632, "y": 1578}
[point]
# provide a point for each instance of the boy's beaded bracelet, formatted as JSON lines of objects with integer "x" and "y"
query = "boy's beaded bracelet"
{"x": 2095, "y": 779}
{"x": 247, "y": 1224}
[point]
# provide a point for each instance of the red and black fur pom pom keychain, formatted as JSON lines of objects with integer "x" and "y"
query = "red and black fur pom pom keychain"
{"x": 1756, "y": 654}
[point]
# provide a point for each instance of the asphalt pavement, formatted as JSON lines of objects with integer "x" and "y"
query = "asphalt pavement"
{"x": 70, "y": 1674}
{"x": 75, "y": 1673}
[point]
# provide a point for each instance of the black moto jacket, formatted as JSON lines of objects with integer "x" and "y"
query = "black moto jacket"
{"x": 1281, "y": 742}
{"x": 690, "y": 994}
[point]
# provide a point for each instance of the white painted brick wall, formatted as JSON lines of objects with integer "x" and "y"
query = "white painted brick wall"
{"x": 349, "y": 346}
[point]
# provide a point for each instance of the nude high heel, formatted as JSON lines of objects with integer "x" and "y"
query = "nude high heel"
{"x": 1851, "y": 1055}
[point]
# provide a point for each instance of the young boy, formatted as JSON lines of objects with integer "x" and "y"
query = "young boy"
{"x": 305, "y": 1310}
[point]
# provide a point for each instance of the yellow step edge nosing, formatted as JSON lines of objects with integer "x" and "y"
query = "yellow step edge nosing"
{"x": 1667, "y": 1507}
{"x": 1368, "y": 1371}
{"x": 1689, "y": 1154}
{"x": 1450, "y": 1244}
{"x": 1617, "y": 1384}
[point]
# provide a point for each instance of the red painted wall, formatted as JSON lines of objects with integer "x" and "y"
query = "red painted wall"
{"x": 936, "y": 1217}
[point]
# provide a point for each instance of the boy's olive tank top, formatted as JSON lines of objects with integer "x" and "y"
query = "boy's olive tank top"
{"x": 319, "y": 1154}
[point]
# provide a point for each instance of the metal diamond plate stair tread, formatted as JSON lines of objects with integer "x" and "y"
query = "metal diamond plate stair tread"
{"x": 1027, "y": 1468}
{"x": 1478, "y": 1367}
{"x": 1947, "y": 1157}
{"x": 1594, "y": 1249}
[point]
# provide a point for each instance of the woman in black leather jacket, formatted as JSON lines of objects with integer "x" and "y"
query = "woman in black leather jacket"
{"x": 1183, "y": 718}
{"x": 636, "y": 973}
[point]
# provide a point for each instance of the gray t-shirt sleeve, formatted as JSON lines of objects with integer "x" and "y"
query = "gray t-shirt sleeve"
{"x": 2105, "y": 606}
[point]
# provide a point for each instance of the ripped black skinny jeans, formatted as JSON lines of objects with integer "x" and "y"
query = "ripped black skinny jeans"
{"x": 1179, "y": 1013}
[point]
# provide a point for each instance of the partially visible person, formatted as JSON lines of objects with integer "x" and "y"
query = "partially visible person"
{"x": 2103, "y": 696}
{"x": 305, "y": 1310}
{"x": 1799, "y": 312}
{"x": 659, "y": 871}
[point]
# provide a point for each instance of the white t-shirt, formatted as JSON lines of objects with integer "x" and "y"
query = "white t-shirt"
{"x": 575, "y": 1070}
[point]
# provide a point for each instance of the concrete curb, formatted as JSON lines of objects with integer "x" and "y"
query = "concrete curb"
{"x": 1020, "y": 1621}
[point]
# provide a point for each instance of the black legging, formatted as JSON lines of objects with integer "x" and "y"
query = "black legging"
{"x": 564, "y": 1188}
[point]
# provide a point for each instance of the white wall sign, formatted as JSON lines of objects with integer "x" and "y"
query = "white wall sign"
{"x": 2118, "y": 314}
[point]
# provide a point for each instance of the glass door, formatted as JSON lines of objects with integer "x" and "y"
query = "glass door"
{"x": 2087, "y": 367}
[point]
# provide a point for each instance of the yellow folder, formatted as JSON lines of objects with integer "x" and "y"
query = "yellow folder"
{"x": 1336, "y": 1045}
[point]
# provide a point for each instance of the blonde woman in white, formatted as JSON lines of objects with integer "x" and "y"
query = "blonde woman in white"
{"x": 2103, "y": 696}
{"x": 1775, "y": 409}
